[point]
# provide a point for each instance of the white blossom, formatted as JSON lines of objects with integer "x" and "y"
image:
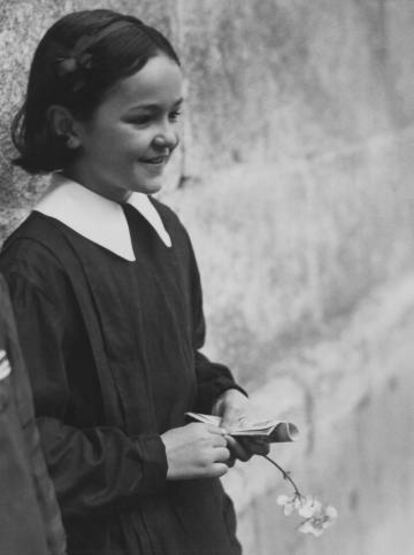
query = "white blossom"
{"x": 321, "y": 518}
{"x": 309, "y": 506}
{"x": 289, "y": 504}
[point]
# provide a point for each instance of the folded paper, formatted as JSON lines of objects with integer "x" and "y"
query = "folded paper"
{"x": 273, "y": 431}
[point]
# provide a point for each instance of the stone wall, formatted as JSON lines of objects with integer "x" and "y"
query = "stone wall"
{"x": 294, "y": 179}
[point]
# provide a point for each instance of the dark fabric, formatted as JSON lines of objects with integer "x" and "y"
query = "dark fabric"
{"x": 112, "y": 350}
{"x": 30, "y": 522}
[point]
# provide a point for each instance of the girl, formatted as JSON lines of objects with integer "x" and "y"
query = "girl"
{"x": 107, "y": 298}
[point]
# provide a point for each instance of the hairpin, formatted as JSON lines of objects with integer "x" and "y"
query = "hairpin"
{"x": 75, "y": 67}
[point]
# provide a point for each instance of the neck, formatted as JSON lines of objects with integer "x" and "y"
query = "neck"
{"x": 116, "y": 194}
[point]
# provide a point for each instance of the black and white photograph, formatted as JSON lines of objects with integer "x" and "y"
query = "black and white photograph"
{"x": 206, "y": 277}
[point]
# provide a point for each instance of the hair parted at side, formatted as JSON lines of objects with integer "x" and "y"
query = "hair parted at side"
{"x": 81, "y": 57}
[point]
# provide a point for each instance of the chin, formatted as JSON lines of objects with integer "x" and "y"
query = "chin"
{"x": 150, "y": 188}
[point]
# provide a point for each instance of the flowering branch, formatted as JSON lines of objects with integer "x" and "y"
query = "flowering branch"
{"x": 317, "y": 517}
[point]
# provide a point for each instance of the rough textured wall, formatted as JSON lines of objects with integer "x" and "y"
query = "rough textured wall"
{"x": 294, "y": 179}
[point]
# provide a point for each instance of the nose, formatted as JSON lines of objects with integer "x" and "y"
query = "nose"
{"x": 166, "y": 139}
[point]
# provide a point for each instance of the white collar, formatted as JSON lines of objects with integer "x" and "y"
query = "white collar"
{"x": 97, "y": 218}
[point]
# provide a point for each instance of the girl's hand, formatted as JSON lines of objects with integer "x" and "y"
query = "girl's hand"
{"x": 196, "y": 451}
{"x": 233, "y": 407}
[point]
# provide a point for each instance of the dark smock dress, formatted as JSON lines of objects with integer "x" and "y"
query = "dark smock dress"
{"x": 112, "y": 350}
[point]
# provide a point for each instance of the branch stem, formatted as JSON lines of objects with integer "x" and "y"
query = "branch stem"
{"x": 285, "y": 475}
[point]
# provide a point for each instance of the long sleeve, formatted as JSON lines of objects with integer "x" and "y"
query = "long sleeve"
{"x": 94, "y": 467}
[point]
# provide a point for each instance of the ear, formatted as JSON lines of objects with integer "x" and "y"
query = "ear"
{"x": 64, "y": 126}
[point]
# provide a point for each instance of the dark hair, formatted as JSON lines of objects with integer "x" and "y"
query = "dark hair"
{"x": 81, "y": 57}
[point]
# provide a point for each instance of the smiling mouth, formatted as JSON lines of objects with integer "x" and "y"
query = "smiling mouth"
{"x": 157, "y": 161}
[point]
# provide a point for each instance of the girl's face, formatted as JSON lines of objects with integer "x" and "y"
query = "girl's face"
{"x": 127, "y": 143}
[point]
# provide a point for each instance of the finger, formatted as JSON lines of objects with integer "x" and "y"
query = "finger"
{"x": 218, "y": 441}
{"x": 261, "y": 447}
{"x": 219, "y": 469}
{"x": 217, "y": 430}
{"x": 231, "y": 461}
{"x": 236, "y": 449}
{"x": 233, "y": 418}
{"x": 254, "y": 446}
{"x": 221, "y": 454}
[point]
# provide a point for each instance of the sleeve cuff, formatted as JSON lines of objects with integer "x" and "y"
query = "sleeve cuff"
{"x": 153, "y": 459}
{"x": 209, "y": 393}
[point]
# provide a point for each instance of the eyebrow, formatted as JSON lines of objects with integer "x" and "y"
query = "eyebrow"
{"x": 176, "y": 104}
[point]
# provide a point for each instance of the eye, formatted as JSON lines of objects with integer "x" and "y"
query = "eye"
{"x": 140, "y": 119}
{"x": 173, "y": 116}
{"x": 143, "y": 119}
